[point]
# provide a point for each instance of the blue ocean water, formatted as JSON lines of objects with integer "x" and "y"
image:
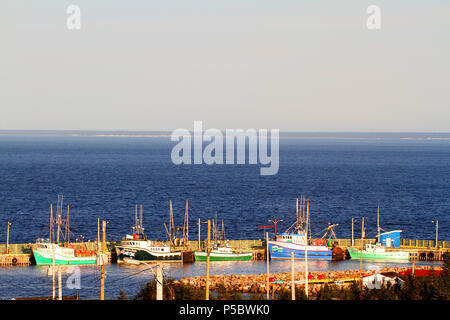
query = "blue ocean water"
{"x": 106, "y": 176}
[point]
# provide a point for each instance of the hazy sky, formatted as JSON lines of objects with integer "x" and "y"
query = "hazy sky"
{"x": 160, "y": 65}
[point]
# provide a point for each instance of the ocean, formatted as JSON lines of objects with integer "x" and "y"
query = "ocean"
{"x": 102, "y": 176}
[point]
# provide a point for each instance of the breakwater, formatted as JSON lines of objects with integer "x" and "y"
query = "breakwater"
{"x": 257, "y": 283}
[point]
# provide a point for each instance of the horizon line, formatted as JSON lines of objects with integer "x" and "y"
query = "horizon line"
{"x": 5, "y": 131}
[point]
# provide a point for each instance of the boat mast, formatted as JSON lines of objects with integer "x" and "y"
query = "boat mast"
{"x": 171, "y": 224}
{"x": 186, "y": 223}
{"x": 306, "y": 251}
{"x": 135, "y": 218}
{"x": 296, "y": 207}
{"x": 302, "y": 212}
{"x": 51, "y": 223}
{"x": 67, "y": 235}
{"x": 58, "y": 216}
{"x": 378, "y": 223}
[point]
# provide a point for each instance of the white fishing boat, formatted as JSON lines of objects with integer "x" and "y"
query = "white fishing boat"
{"x": 137, "y": 247}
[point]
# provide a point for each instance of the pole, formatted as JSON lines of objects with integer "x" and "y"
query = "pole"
{"x": 187, "y": 221}
{"x": 353, "y": 238}
{"x": 306, "y": 251}
{"x": 53, "y": 273}
{"x": 159, "y": 282}
{"x": 7, "y": 237}
{"x": 199, "y": 224}
{"x": 362, "y": 246}
{"x": 267, "y": 274}
{"x": 102, "y": 277}
{"x": 59, "y": 284}
{"x": 207, "y": 260}
{"x": 98, "y": 234}
{"x": 292, "y": 276}
{"x": 296, "y": 206}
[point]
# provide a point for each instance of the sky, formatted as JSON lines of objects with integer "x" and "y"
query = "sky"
{"x": 285, "y": 64}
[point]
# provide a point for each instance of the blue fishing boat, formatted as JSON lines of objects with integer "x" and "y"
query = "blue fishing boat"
{"x": 284, "y": 243}
{"x": 297, "y": 241}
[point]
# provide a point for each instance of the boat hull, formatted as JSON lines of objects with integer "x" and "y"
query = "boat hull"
{"x": 372, "y": 255}
{"x": 45, "y": 258}
{"x": 201, "y": 256}
{"x": 282, "y": 250}
{"x": 140, "y": 254}
{"x": 215, "y": 256}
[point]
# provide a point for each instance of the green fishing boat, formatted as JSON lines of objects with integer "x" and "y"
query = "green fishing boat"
{"x": 45, "y": 253}
{"x": 223, "y": 253}
{"x": 57, "y": 250}
{"x": 377, "y": 252}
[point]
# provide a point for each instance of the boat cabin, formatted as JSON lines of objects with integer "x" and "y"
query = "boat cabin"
{"x": 291, "y": 237}
{"x": 46, "y": 246}
{"x": 128, "y": 241}
{"x": 390, "y": 239}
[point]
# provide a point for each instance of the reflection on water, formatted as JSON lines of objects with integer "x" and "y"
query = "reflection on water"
{"x": 35, "y": 281}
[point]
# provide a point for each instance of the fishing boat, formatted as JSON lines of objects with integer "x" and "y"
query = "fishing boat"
{"x": 384, "y": 249}
{"x": 53, "y": 251}
{"x": 377, "y": 252}
{"x": 297, "y": 241}
{"x": 285, "y": 243}
{"x": 45, "y": 252}
{"x": 136, "y": 247}
{"x": 221, "y": 250}
{"x": 223, "y": 253}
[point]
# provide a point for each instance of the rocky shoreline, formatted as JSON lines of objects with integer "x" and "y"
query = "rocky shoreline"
{"x": 256, "y": 283}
